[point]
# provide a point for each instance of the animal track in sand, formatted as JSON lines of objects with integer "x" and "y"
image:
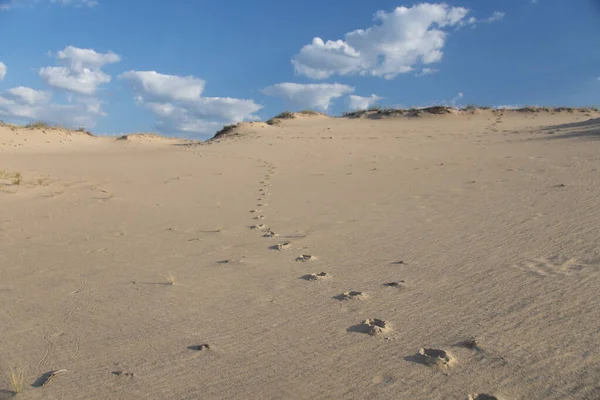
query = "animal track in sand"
{"x": 259, "y": 217}
{"x": 396, "y": 284}
{"x": 481, "y": 396}
{"x": 555, "y": 265}
{"x": 435, "y": 357}
{"x": 352, "y": 295}
{"x": 255, "y": 210}
{"x": 281, "y": 246}
{"x": 260, "y": 227}
{"x": 305, "y": 258}
{"x": 372, "y": 327}
{"x": 319, "y": 276}
{"x": 270, "y": 234}
{"x": 200, "y": 347}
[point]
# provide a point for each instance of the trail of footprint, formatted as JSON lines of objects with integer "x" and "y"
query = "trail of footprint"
{"x": 555, "y": 265}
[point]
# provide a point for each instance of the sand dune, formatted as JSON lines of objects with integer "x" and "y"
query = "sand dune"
{"x": 413, "y": 255}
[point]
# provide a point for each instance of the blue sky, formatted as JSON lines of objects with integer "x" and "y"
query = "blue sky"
{"x": 186, "y": 68}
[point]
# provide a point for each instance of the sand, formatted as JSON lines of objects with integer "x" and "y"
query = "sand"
{"x": 470, "y": 242}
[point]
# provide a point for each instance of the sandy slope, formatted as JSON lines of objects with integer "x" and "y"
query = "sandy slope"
{"x": 494, "y": 217}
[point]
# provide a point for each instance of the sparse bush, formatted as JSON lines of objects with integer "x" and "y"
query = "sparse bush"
{"x": 280, "y": 116}
{"x": 38, "y": 125}
{"x": 284, "y": 115}
{"x": 83, "y": 130}
{"x": 375, "y": 107}
{"x": 307, "y": 112}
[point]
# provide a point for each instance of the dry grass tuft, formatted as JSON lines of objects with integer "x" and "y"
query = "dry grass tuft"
{"x": 17, "y": 377}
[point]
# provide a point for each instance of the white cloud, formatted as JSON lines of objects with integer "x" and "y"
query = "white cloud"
{"x": 3, "y": 70}
{"x": 164, "y": 87}
{"x": 308, "y": 95}
{"x": 399, "y": 41}
{"x": 26, "y": 104}
{"x": 81, "y": 73}
{"x": 362, "y": 103}
{"x": 427, "y": 71}
{"x": 178, "y": 104}
{"x": 28, "y": 96}
{"x": 496, "y": 16}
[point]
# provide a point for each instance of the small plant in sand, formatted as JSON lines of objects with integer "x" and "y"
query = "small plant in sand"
{"x": 170, "y": 280}
{"x": 17, "y": 376}
{"x": 14, "y": 177}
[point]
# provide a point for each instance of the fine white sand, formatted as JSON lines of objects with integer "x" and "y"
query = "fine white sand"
{"x": 431, "y": 230}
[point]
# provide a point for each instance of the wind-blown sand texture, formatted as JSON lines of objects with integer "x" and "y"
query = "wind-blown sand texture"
{"x": 130, "y": 263}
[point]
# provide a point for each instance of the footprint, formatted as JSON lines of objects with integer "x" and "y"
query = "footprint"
{"x": 259, "y": 217}
{"x": 199, "y": 347}
{"x": 396, "y": 284}
{"x": 319, "y": 276}
{"x": 352, "y": 295}
{"x": 555, "y": 265}
{"x": 255, "y": 211}
{"x": 281, "y": 246}
{"x": 270, "y": 234}
{"x": 260, "y": 227}
{"x": 481, "y": 396}
{"x": 305, "y": 258}
{"x": 435, "y": 357}
{"x": 262, "y": 205}
{"x": 372, "y": 327}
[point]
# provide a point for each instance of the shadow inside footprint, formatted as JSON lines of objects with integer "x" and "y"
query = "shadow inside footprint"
{"x": 371, "y": 327}
{"x": 396, "y": 284}
{"x": 352, "y": 295}
{"x": 481, "y": 396}
{"x": 199, "y": 347}
{"x": 432, "y": 357}
{"x": 316, "y": 276}
{"x": 281, "y": 246}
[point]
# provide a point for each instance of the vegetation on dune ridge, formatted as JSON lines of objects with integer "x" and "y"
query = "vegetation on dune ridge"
{"x": 378, "y": 111}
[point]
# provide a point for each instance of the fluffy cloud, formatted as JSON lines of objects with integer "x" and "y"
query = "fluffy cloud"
{"x": 81, "y": 72}
{"x": 3, "y": 70}
{"x": 398, "y": 42}
{"x": 28, "y": 96}
{"x": 362, "y": 103}
{"x": 178, "y": 104}
{"x": 308, "y": 95}
{"x": 26, "y": 104}
{"x": 161, "y": 87}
